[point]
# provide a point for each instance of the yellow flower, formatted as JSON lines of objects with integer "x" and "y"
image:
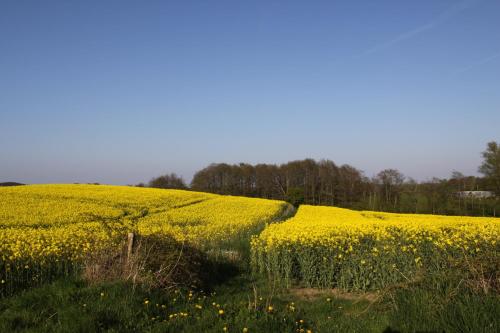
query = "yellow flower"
{"x": 405, "y": 239}
{"x": 48, "y": 225}
{"x": 221, "y": 312}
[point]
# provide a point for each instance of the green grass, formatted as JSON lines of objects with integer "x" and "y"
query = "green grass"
{"x": 430, "y": 305}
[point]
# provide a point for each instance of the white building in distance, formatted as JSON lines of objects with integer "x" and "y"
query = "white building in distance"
{"x": 476, "y": 194}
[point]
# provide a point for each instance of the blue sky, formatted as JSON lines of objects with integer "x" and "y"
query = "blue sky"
{"x": 119, "y": 91}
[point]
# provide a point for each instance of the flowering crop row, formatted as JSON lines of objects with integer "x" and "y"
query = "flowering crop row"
{"x": 334, "y": 247}
{"x": 220, "y": 223}
{"x": 51, "y": 228}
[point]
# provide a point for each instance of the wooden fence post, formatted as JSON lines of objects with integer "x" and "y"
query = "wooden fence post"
{"x": 130, "y": 245}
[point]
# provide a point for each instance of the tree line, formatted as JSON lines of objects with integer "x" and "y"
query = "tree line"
{"x": 324, "y": 182}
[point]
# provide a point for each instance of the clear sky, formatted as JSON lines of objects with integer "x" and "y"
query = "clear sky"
{"x": 118, "y": 91}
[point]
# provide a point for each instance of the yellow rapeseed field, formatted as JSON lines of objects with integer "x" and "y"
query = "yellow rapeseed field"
{"x": 335, "y": 247}
{"x": 48, "y": 229}
{"x": 218, "y": 222}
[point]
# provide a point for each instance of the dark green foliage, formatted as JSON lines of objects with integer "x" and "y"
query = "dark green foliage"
{"x": 168, "y": 181}
{"x": 324, "y": 183}
{"x": 295, "y": 196}
{"x": 490, "y": 167}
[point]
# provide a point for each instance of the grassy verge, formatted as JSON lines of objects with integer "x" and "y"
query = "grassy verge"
{"x": 245, "y": 304}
